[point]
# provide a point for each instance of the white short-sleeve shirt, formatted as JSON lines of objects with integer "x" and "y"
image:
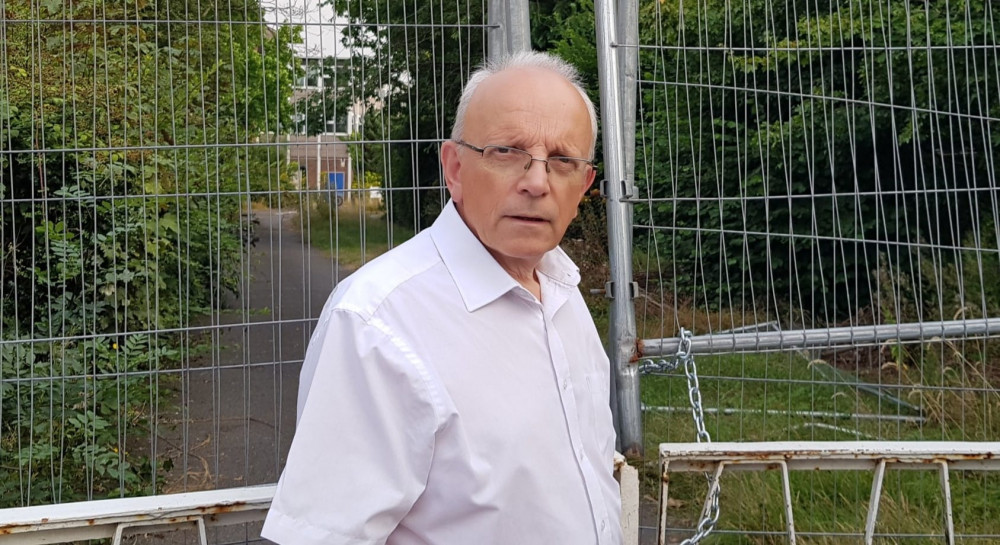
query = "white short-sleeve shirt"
{"x": 442, "y": 404}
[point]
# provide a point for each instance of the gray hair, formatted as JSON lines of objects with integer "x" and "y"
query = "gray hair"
{"x": 523, "y": 59}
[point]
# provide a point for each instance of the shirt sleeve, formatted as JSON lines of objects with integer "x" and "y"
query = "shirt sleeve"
{"x": 364, "y": 441}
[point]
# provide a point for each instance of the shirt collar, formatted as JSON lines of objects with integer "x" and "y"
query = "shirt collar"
{"x": 480, "y": 279}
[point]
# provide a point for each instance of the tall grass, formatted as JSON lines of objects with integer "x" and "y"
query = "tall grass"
{"x": 355, "y": 232}
{"x": 788, "y": 397}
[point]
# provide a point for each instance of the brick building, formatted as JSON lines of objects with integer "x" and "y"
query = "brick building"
{"x": 323, "y": 161}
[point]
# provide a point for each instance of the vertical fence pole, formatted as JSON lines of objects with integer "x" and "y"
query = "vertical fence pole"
{"x": 628, "y": 60}
{"x": 519, "y": 23}
{"x": 510, "y": 27}
{"x": 617, "y": 187}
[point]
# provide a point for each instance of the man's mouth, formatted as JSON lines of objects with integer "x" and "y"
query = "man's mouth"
{"x": 528, "y": 218}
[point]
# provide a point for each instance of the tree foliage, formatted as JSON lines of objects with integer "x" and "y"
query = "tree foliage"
{"x": 779, "y": 122}
{"x": 328, "y": 98}
{"x": 129, "y": 133}
{"x": 410, "y": 79}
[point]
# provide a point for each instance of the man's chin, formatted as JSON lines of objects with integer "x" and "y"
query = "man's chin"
{"x": 523, "y": 252}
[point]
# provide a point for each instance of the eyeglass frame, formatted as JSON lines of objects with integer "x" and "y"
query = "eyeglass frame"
{"x": 531, "y": 158}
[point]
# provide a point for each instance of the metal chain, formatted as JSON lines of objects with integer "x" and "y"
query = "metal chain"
{"x": 710, "y": 515}
{"x": 658, "y": 366}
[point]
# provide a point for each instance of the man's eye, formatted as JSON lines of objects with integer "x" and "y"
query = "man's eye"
{"x": 504, "y": 149}
{"x": 563, "y": 160}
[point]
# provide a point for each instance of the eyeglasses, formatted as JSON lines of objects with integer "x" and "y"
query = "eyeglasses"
{"x": 508, "y": 160}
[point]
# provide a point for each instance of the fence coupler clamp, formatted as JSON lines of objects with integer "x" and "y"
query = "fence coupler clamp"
{"x": 633, "y": 289}
{"x": 628, "y": 190}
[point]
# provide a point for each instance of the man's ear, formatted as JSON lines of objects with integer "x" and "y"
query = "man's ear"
{"x": 451, "y": 165}
{"x": 583, "y": 190}
{"x": 590, "y": 182}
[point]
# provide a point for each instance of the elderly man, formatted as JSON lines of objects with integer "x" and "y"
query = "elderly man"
{"x": 455, "y": 391}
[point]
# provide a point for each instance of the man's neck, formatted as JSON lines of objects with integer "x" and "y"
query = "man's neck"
{"x": 530, "y": 283}
{"x": 524, "y": 272}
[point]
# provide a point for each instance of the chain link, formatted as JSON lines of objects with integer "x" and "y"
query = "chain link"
{"x": 710, "y": 515}
{"x": 658, "y": 366}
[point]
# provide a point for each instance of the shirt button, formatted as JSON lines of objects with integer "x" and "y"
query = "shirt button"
{"x": 565, "y": 384}
{"x": 604, "y": 524}
{"x": 579, "y": 454}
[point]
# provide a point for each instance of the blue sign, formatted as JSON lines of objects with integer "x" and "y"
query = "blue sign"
{"x": 337, "y": 183}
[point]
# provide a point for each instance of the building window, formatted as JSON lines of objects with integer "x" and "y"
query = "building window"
{"x": 337, "y": 125}
{"x": 311, "y": 78}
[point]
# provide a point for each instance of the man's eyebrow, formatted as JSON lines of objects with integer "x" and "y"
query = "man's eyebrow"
{"x": 517, "y": 142}
{"x": 563, "y": 151}
{"x": 513, "y": 142}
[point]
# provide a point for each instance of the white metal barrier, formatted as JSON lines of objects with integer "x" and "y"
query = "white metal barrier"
{"x": 827, "y": 455}
{"x": 117, "y": 518}
{"x": 628, "y": 481}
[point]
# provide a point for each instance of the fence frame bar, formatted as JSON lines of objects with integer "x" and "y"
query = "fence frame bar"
{"x": 949, "y": 518}
{"x": 832, "y": 337}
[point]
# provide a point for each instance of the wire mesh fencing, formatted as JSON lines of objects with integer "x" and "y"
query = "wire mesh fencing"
{"x": 181, "y": 186}
{"x": 817, "y": 199}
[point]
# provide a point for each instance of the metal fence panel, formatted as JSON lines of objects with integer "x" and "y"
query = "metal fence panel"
{"x": 814, "y": 194}
{"x": 818, "y": 202}
{"x": 181, "y": 186}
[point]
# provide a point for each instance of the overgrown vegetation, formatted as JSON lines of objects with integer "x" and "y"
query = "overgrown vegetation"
{"x": 129, "y": 150}
{"x": 355, "y": 232}
{"x": 412, "y": 115}
{"x": 798, "y": 119}
{"x": 762, "y": 137}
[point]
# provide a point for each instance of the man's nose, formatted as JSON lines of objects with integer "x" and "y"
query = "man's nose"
{"x": 535, "y": 179}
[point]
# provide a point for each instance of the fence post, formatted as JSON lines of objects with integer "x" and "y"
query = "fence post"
{"x": 617, "y": 187}
{"x": 510, "y": 27}
{"x": 628, "y": 59}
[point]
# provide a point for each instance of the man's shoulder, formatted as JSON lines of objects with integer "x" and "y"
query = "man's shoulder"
{"x": 366, "y": 289}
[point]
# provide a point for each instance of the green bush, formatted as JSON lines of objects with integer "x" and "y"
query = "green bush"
{"x": 120, "y": 216}
{"x": 772, "y": 171}
{"x": 75, "y": 417}
{"x": 410, "y": 121}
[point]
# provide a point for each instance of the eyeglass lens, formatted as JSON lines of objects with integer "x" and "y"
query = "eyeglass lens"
{"x": 511, "y": 159}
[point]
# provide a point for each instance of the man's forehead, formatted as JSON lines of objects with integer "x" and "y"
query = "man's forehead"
{"x": 504, "y": 101}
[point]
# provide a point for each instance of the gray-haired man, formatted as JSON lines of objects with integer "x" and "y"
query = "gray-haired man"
{"x": 455, "y": 391}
